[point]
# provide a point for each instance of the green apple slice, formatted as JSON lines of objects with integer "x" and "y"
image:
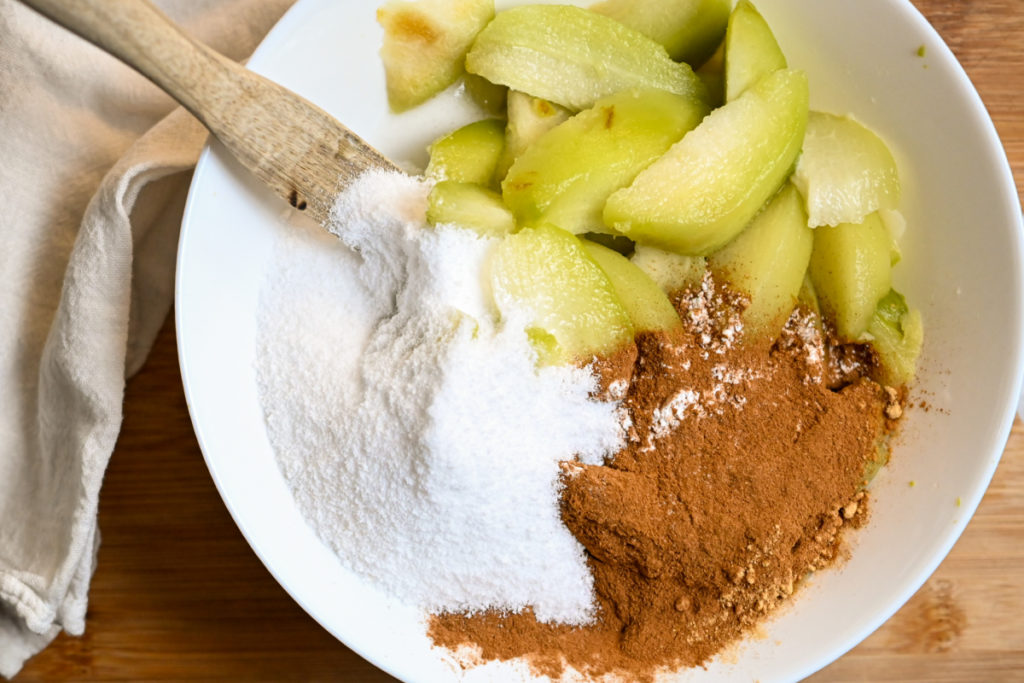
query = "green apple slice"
{"x": 670, "y": 271}
{"x": 709, "y": 185}
{"x": 471, "y": 206}
{"x": 647, "y": 305}
{"x": 491, "y": 97}
{"x": 851, "y": 272}
{"x": 469, "y": 154}
{"x": 768, "y": 261}
{"x": 808, "y": 296}
{"x": 689, "y": 29}
{"x": 529, "y": 117}
{"x": 896, "y": 224}
{"x": 566, "y": 176}
{"x": 617, "y": 243}
{"x": 572, "y": 311}
{"x": 751, "y": 51}
{"x": 573, "y": 57}
{"x": 712, "y": 75}
{"x": 845, "y": 172}
{"x": 897, "y": 336}
{"x": 425, "y": 44}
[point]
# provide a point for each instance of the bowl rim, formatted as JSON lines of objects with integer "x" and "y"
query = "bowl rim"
{"x": 292, "y": 21}
{"x": 1009, "y": 194}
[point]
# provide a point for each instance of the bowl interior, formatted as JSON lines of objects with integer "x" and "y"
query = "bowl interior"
{"x": 962, "y": 266}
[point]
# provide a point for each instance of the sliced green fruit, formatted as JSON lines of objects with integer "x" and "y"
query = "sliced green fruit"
{"x": 670, "y": 271}
{"x": 571, "y": 310}
{"x": 845, "y": 172}
{"x": 617, "y": 243}
{"x": 707, "y": 187}
{"x": 689, "y": 29}
{"x": 491, "y": 97}
{"x": 880, "y": 459}
{"x": 425, "y": 43}
{"x": 529, "y": 117}
{"x": 808, "y": 296}
{"x": 807, "y": 299}
{"x": 767, "y": 262}
{"x": 469, "y": 154}
{"x": 851, "y": 273}
{"x": 751, "y": 51}
{"x": 712, "y": 74}
{"x": 573, "y": 57}
{"x": 566, "y": 176}
{"x": 647, "y": 305}
{"x": 471, "y": 206}
{"x": 896, "y": 224}
{"x": 897, "y": 336}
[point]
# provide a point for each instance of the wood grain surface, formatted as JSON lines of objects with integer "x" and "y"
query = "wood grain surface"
{"x": 178, "y": 594}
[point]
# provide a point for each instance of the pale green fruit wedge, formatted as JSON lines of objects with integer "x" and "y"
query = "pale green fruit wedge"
{"x": 689, "y": 29}
{"x": 807, "y": 299}
{"x": 808, "y": 296}
{"x": 707, "y": 187}
{"x": 469, "y": 154}
{"x": 572, "y": 311}
{"x": 712, "y": 74}
{"x": 471, "y": 206}
{"x": 647, "y": 305}
{"x": 425, "y": 44}
{"x": 767, "y": 262}
{"x": 751, "y": 51}
{"x": 566, "y": 176}
{"x": 529, "y": 118}
{"x": 670, "y": 271}
{"x": 491, "y": 97}
{"x": 897, "y": 336}
{"x": 851, "y": 273}
{"x": 896, "y": 224}
{"x": 617, "y": 243}
{"x": 845, "y": 171}
{"x": 573, "y": 57}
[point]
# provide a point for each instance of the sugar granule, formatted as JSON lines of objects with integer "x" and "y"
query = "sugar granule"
{"x": 418, "y": 437}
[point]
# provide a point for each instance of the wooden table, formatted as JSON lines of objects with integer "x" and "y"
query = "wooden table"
{"x": 178, "y": 594}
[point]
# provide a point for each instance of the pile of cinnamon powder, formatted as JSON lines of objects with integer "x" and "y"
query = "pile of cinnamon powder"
{"x": 745, "y": 462}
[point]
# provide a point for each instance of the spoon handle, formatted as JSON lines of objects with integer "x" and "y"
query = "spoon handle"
{"x": 298, "y": 150}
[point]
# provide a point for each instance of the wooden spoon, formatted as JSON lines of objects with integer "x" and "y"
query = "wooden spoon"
{"x": 298, "y": 150}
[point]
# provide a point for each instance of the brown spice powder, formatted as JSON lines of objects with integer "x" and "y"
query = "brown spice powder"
{"x": 743, "y": 465}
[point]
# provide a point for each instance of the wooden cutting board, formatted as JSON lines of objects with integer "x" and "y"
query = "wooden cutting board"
{"x": 178, "y": 594}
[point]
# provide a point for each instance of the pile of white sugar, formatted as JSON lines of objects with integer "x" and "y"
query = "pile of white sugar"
{"x": 416, "y": 433}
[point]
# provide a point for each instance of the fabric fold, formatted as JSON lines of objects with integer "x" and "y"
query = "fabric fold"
{"x": 93, "y": 204}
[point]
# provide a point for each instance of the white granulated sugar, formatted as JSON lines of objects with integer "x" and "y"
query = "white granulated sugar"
{"x": 416, "y": 433}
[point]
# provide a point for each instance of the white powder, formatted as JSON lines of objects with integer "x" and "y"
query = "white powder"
{"x": 802, "y": 332}
{"x": 666, "y": 418}
{"x": 416, "y": 434}
{"x": 703, "y": 308}
{"x": 718, "y": 327}
{"x": 726, "y": 393}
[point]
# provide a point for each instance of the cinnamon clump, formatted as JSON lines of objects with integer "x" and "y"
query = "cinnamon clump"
{"x": 745, "y": 461}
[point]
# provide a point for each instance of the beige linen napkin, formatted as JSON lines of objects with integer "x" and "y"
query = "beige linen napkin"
{"x": 93, "y": 173}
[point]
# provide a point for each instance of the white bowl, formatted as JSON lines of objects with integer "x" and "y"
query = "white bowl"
{"x": 962, "y": 266}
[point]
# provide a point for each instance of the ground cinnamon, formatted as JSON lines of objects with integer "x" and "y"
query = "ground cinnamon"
{"x": 745, "y": 461}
